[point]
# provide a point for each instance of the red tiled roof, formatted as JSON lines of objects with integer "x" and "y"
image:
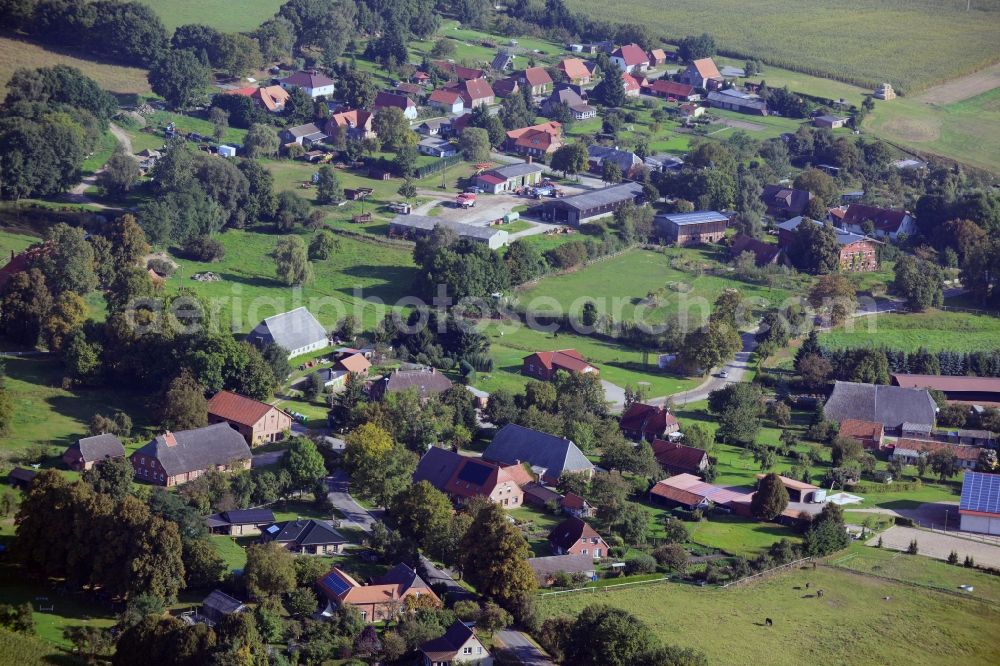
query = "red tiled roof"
{"x": 678, "y": 456}
{"x": 490, "y": 178}
{"x": 706, "y": 68}
{"x": 23, "y": 261}
{"x": 573, "y": 501}
{"x": 445, "y": 96}
{"x": 571, "y": 530}
{"x": 238, "y": 408}
{"x": 475, "y": 89}
{"x": 948, "y": 383}
{"x": 243, "y": 92}
{"x": 794, "y": 484}
{"x": 537, "y": 76}
{"x": 352, "y": 118}
{"x": 631, "y": 83}
{"x": 679, "y": 495}
{"x": 858, "y": 429}
{"x": 574, "y": 68}
{"x": 567, "y": 359}
{"x": 272, "y": 97}
{"x": 538, "y": 140}
{"x": 961, "y": 452}
{"x": 552, "y": 127}
{"x": 354, "y": 363}
{"x": 648, "y": 419}
{"x": 632, "y": 54}
{"x": 658, "y": 54}
{"x": 387, "y": 99}
{"x": 463, "y": 73}
{"x": 671, "y": 88}
{"x": 884, "y": 219}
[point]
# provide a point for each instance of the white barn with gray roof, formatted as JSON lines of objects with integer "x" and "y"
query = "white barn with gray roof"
{"x": 549, "y": 456}
{"x": 296, "y": 331}
{"x": 589, "y": 206}
{"x": 892, "y": 406}
{"x": 418, "y": 226}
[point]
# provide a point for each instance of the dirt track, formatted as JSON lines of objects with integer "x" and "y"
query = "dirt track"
{"x": 963, "y": 88}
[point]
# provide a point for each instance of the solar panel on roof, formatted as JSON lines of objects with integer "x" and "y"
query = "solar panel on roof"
{"x": 336, "y": 584}
{"x": 475, "y": 473}
{"x": 272, "y": 529}
{"x": 981, "y": 492}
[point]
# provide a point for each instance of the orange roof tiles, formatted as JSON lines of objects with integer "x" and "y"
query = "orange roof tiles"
{"x": 238, "y": 408}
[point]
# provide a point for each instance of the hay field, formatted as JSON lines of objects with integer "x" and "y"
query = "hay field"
{"x": 224, "y": 15}
{"x": 16, "y": 53}
{"x": 911, "y": 44}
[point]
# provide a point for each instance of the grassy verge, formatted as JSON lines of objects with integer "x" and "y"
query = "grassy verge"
{"x": 935, "y": 330}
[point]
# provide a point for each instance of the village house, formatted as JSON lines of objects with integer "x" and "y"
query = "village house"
{"x": 648, "y": 422}
{"x": 257, "y": 421}
{"x": 354, "y": 124}
{"x": 314, "y": 83}
{"x": 458, "y": 71}
{"x": 798, "y": 491}
{"x": 418, "y": 226}
{"x": 463, "y": 477}
{"x": 885, "y": 223}
{"x": 305, "y": 537}
{"x": 509, "y": 178}
{"x": 979, "y": 506}
{"x": 627, "y": 161}
{"x": 579, "y": 109}
{"x": 909, "y": 451}
{"x": 91, "y": 450}
{"x": 892, "y": 406}
{"x": 269, "y": 98}
{"x": 217, "y": 606}
{"x": 547, "y": 568}
{"x": 474, "y": 92}
{"x": 657, "y": 57}
{"x": 536, "y": 140}
{"x": 631, "y": 84}
{"x": 688, "y": 111}
{"x": 869, "y": 434}
{"x": 672, "y": 90}
{"x": 732, "y": 99}
{"x": 433, "y": 127}
{"x": 574, "y": 505}
{"x": 575, "y": 537}
{"x": 691, "y": 228}
{"x": 544, "y": 365}
{"x": 702, "y": 73}
{"x": 21, "y": 477}
{"x": 689, "y": 492}
{"x": 549, "y": 456}
{"x": 630, "y": 58}
{"x": 676, "y": 458}
{"x": 239, "y": 522}
{"x": 303, "y": 135}
{"x": 589, "y": 206}
{"x": 830, "y": 122}
{"x": 858, "y": 254}
{"x": 448, "y": 101}
{"x": 437, "y": 147}
{"x": 502, "y": 61}
{"x": 508, "y": 87}
{"x": 458, "y": 645}
{"x": 540, "y": 496}
{"x": 349, "y": 363}
{"x": 388, "y": 100}
{"x": 427, "y": 381}
{"x": 296, "y": 331}
{"x": 764, "y": 254}
{"x": 537, "y": 79}
{"x": 384, "y": 599}
{"x": 174, "y": 458}
{"x": 575, "y": 71}
{"x": 784, "y": 202}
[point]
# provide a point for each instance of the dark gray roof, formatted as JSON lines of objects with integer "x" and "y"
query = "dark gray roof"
{"x": 541, "y": 493}
{"x": 303, "y": 533}
{"x": 436, "y": 467}
{"x": 307, "y": 130}
{"x": 516, "y": 170}
{"x": 514, "y": 443}
{"x": 889, "y": 405}
{"x": 451, "y": 642}
{"x": 623, "y": 158}
{"x": 100, "y": 447}
{"x": 607, "y": 196}
{"x": 425, "y": 223}
{"x": 403, "y": 576}
{"x": 737, "y": 98}
{"x": 291, "y": 330}
{"x": 222, "y": 603}
{"x": 242, "y": 517}
{"x": 843, "y": 237}
{"x": 427, "y": 382}
{"x": 547, "y": 566}
{"x": 22, "y": 474}
{"x": 197, "y": 449}
{"x": 681, "y": 219}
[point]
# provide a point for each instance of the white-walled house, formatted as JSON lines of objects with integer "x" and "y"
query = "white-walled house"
{"x": 314, "y": 83}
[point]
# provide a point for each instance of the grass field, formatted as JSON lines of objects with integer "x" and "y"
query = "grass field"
{"x": 909, "y": 44}
{"x": 739, "y": 536}
{"x": 12, "y": 242}
{"x": 29, "y": 650}
{"x": 851, "y": 624}
{"x": 15, "y": 53}
{"x": 224, "y": 15}
{"x": 936, "y": 330}
{"x": 250, "y": 291}
{"x": 619, "y": 285}
{"x": 46, "y": 413}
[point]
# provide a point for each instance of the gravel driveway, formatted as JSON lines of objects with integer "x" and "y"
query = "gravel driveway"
{"x": 938, "y": 545}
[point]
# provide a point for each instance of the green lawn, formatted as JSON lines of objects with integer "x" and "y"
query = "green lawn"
{"x": 223, "y": 15}
{"x": 739, "y": 536}
{"x": 536, "y": 527}
{"x": 619, "y": 287}
{"x": 29, "y": 650}
{"x": 13, "y": 242}
{"x": 249, "y": 289}
{"x": 618, "y": 364}
{"x": 46, "y": 413}
{"x": 853, "y": 622}
{"x": 231, "y": 549}
{"x": 936, "y": 330}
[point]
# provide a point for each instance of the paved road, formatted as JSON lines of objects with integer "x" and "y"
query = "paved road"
{"x": 354, "y": 514}
{"x": 615, "y": 395}
{"x": 446, "y": 578}
{"x": 522, "y": 648}
{"x": 736, "y": 369}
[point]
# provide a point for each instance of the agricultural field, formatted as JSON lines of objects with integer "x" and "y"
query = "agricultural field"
{"x": 13, "y": 242}
{"x": 224, "y": 15}
{"x": 911, "y": 45}
{"x": 618, "y": 364}
{"x": 935, "y": 330}
{"x": 858, "y": 619}
{"x": 619, "y": 286}
{"x": 15, "y": 53}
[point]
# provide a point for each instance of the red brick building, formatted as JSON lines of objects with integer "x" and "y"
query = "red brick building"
{"x": 544, "y": 365}
{"x": 575, "y": 537}
{"x": 257, "y": 421}
{"x": 649, "y": 422}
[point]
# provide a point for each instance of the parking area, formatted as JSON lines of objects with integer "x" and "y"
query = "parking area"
{"x": 939, "y": 545}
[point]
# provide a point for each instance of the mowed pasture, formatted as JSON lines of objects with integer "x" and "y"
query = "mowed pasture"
{"x": 912, "y": 45}
{"x": 858, "y": 620}
{"x": 17, "y": 53}
{"x": 935, "y": 330}
{"x": 224, "y": 15}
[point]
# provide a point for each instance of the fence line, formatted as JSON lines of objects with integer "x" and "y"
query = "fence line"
{"x": 752, "y": 577}
{"x": 911, "y": 583}
{"x": 606, "y": 587}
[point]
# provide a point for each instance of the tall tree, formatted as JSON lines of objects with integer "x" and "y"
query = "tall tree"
{"x": 291, "y": 260}
{"x": 328, "y": 187}
{"x": 494, "y": 557}
{"x": 423, "y": 514}
{"x": 269, "y": 571}
{"x": 770, "y": 499}
{"x": 180, "y": 78}
{"x": 305, "y": 463}
{"x": 184, "y": 406}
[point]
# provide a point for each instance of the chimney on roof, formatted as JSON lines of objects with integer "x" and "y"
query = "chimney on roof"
{"x": 169, "y": 439}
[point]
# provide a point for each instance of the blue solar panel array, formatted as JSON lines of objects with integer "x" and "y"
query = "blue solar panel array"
{"x": 336, "y": 584}
{"x": 475, "y": 473}
{"x": 981, "y": 492}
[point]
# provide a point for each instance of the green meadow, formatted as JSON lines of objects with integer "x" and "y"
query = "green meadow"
{"x": 936, "y": 330}
{"x": 224, "y": 15}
